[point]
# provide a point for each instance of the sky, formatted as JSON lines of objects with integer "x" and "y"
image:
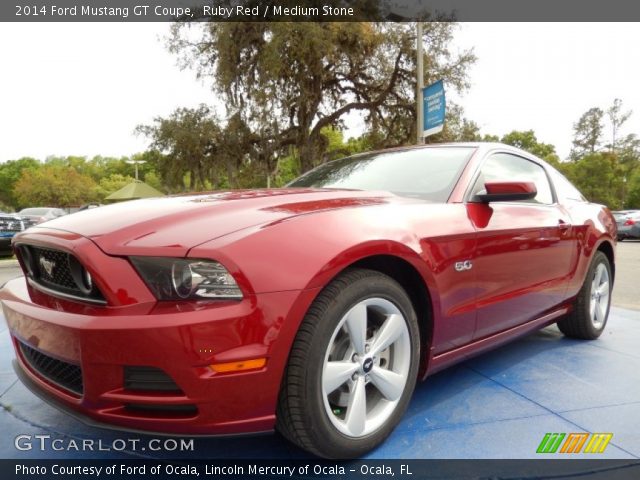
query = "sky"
{"x": 81, "y": 88}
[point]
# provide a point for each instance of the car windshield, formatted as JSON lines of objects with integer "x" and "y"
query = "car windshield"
{"x": 428, "y": 173}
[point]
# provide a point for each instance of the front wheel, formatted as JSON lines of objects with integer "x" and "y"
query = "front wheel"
{"x": 352, "y": 368}
{"x": 591, "y": 307}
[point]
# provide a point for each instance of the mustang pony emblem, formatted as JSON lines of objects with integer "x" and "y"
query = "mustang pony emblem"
{"x": 47, "y": 265}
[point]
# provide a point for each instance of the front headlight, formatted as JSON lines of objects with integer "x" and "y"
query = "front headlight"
{"x": 186, "y": 279}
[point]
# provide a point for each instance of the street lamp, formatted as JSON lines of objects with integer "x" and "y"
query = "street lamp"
{"x": 136, "y": 162}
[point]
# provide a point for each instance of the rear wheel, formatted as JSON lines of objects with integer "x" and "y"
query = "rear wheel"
{"x": 591, "y": 307}
{"x": 352, "y": 368}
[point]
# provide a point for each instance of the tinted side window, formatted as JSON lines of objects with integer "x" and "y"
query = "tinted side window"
{"x": 507, "y": 167}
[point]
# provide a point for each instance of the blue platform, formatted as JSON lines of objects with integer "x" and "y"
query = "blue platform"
{"x": 498, "y": 405}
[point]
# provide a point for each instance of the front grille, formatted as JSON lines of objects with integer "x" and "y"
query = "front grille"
{"x": 65, "y": 375}
{"x": 11, "y": 224}
{"x": 138, "y": 378}
{"x": 59, "y": 272}
{"x": 53, "y": 268}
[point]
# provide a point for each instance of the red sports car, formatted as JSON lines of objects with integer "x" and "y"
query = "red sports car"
{"x": 313, "y": 308}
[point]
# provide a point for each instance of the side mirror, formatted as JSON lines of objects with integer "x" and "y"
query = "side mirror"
{"x": 507, "y": 192}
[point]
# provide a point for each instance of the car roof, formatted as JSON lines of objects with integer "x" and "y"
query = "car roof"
{"x": 481, "y": 147}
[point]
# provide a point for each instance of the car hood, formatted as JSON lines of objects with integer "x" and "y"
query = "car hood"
{"x": 173, "y": 225}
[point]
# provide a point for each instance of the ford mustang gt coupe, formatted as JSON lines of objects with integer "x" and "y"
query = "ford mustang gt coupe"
{"x": 312, "y": 309}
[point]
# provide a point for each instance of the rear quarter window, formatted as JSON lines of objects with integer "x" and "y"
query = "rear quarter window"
{"x": 564, "y": 188}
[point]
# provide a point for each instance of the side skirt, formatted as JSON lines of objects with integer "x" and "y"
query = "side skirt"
{"x": 446, "y": 359}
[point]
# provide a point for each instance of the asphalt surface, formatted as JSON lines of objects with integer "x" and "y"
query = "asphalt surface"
{"x": 626, "y": 292}
{"x": 9, "y": 269}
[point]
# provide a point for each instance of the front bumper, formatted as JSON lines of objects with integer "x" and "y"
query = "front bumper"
{"x": 181, "y": 339}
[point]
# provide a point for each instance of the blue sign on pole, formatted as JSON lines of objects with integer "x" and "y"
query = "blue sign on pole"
{"x": 433, "y": 108}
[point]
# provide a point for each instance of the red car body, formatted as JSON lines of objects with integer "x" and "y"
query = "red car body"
{"x": 282, "y": 247}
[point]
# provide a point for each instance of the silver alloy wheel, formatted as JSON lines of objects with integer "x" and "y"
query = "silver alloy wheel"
{"x": 600, "y": 296}
{"x": 366, "y": 367}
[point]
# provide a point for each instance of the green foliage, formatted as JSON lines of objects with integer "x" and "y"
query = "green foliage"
{"x": 528, "y": 141}
{"x": 631, "y": 192}
{"x": 106, "y": 174}
{"x": 112, "y": 183}
{"x": 54, "y": 186}
{"x": 597, "y": 176}
{"x": 152, "y": 179}
{"x": 288, "y": 169}
{"x": 606, "y": 174}
{"x": 186, "y": 141}
{"x": 588, "y": 132}
{"x": 10, "y": 172}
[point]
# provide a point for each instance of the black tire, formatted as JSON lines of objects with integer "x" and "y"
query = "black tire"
{"x": 579, "y": 322}
{"x": 301, "y": 416}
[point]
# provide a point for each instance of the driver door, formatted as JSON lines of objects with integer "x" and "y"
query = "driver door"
{"x": 524, "y": 249}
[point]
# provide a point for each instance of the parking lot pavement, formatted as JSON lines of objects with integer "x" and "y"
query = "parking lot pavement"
{"x": 498, "y": 405}
{"x": 626, "y": 292}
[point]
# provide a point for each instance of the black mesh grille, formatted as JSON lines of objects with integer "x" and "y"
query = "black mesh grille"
{"x": 54, "y": 268}
{"x": 63, "y": 374}
{"x": 58, "y": 271}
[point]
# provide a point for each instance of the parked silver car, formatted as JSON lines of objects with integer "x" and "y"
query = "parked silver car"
{"x": 628, "y": 222}
{"x": 41, "y": 214}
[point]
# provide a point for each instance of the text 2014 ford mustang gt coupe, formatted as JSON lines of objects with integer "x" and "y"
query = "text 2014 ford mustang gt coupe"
{"x": 312, "y": 309}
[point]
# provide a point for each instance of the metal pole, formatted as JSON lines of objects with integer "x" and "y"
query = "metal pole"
{"x": 420, "y": 85}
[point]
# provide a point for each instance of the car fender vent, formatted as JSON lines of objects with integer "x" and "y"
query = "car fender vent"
{"x": 145, "y": 379}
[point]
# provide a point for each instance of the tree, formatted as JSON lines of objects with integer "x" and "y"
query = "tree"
{"x": 289, "y": 81}
{"x": 112, "y": 183}
{"x": 617, "y": 119}
{"x": 527, "y": 140}
{"x": 54, "y": 186}
{"x": 10, "y": 173}
{"x": 588, "y": 131}
{"x": 598, "y": 177}
{"x": 187, "y": 139}
{"x": 457, "y": 128}
{"x": 631, "y": 192}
